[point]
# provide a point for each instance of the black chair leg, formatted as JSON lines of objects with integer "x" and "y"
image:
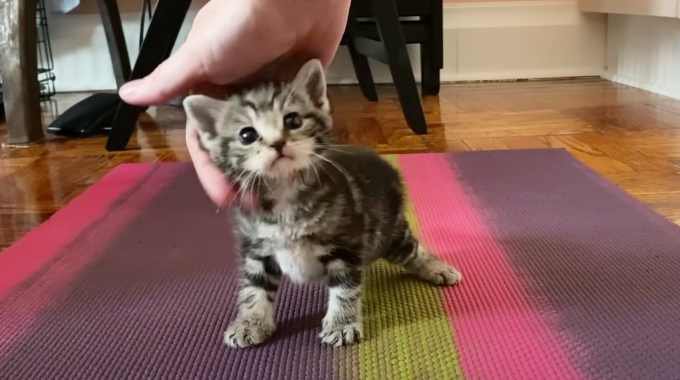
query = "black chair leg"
{"x": 363, "y": 72}
{"x": 428, "y": 70}
{"x": 361, "y": 67}
{"x": 108, "y": 9}
{"x": 389, "y": 27}
{"x": 161, "y": 36}
{"x": 432, "y": 51}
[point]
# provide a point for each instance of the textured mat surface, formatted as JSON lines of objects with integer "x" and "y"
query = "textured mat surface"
{"x": 565, "y": 277}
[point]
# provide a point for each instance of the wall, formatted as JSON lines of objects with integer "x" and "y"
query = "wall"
{"x": 644, "y": 52}
{"x": 483, "y": 40}
{"x": 663, "y": 8}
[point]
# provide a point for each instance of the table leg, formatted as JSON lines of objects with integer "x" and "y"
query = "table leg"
{"x": 19, "y": 70}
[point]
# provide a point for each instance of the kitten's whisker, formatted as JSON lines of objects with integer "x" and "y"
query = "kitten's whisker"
{"x": 336, "y": 145}
{"x": 239, "y": 192}
{"x": 243, "y": 192}
{"x": 331, "y": 162}
{"x": 243, "y": 176}
{"x": 316, "y": 172}
{"x": 240, "y": 176}
{"x": 237, "y": 182}
{"x": 240, "y": 180}
{"x": 334, "y": 149}
{"x": 324, "y": 170}
{"x": 313, "y": 165}
{"x": 253, "y": 185}
{"x": 256, "y": 185}
{"x": 340, "y": 148}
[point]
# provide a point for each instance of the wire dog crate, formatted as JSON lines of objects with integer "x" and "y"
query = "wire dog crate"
{"x": 46, "y": 75}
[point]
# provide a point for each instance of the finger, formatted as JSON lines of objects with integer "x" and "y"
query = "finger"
{"x": 332, "y": 35}
{"x": 218, "y": 91}
{"x": 174, "y": 77}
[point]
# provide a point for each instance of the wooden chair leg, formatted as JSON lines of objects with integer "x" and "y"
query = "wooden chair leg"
{"x": 363, "y": 72}
{"x": 161, "y": 36}
{"x": 19, "y": 71}
{"x": 389, "y": 27}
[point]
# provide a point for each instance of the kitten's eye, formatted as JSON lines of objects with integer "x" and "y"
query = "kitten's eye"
{"x": 248, "y": 135}
{"x": 292, "y": 120}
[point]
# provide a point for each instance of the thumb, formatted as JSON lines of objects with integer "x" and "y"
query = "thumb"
{"x": 174, "y": 77}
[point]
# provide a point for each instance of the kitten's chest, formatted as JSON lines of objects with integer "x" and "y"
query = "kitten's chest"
{"x": 297, "y": 256}
{"x": 284, "y": 208}
{"x": 300, "y": 261}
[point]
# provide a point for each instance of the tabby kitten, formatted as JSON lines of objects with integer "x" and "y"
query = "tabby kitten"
{"x": 323, "y": 212}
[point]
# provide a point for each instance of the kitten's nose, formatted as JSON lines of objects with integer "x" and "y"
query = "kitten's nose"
{"x": 278, "y": 145}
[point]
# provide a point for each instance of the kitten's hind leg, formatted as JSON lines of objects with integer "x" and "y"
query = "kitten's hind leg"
{"x": 260, "y": 278}
{"x": 407, "y": 251}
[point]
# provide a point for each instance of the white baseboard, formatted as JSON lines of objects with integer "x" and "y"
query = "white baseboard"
{"x": 657, "y": 88}
{"x": 522, "y": 74}
{"x": 483, "y": 41}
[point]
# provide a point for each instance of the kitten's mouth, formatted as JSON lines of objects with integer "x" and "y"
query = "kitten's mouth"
{"x": 280, "y": 159}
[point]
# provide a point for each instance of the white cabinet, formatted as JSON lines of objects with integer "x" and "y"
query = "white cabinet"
{"x": 661, "y": 8}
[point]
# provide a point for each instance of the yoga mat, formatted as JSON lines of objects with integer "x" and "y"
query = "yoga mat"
{"x": 565, "y": 276}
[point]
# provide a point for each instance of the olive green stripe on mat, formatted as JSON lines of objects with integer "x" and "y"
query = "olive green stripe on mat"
{"x": 408, "y": 332}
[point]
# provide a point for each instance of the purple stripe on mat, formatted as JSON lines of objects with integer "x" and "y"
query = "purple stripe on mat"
{"x": 156, "y": 303}
{"x": 599, "y": 264}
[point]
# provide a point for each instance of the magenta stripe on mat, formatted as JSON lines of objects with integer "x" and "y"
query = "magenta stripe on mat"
{"x": 604, "y": 265}
{"x": 155, "y": 304}
{"x": 65, "y": 226}
{"x": 41, "y": 268}
{"x": 499, "y": 333}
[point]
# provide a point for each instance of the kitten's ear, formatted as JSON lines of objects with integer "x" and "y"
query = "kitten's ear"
{"x": 204, "y": 112}
{"x": 311, "y": 80}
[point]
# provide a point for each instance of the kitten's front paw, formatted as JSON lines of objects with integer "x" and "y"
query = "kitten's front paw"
{"x": 246, "y": 332}
{"x": 439, "y": 273}
{"x": 337, "y": 335}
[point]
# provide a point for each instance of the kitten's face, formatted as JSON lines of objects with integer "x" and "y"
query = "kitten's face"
{"x": 274, "y": 130}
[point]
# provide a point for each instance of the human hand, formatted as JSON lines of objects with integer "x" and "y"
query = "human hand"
{"x": 236, "y": 43}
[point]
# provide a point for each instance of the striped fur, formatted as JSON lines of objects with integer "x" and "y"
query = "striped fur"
{"x": 324, "y": 212}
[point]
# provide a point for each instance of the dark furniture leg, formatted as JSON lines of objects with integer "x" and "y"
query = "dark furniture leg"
{"x": 157, "y": 46}
{"x": 432, "y": 50}
{"x": 429, "y": 72}
{"x": 359, "y": 61}
{"x": 363, "y": 72}
{"x": 389, "y": 27}
{"x": 426, "y": 68}
{"x": 18, "y": 68}
{"x": 108, "y": 9}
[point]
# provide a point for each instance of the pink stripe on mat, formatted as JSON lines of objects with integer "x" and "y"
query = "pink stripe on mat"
{"x": 82, "y": 220}
{"x": 65, "y": 225}
{"x": 497, "y": 330}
